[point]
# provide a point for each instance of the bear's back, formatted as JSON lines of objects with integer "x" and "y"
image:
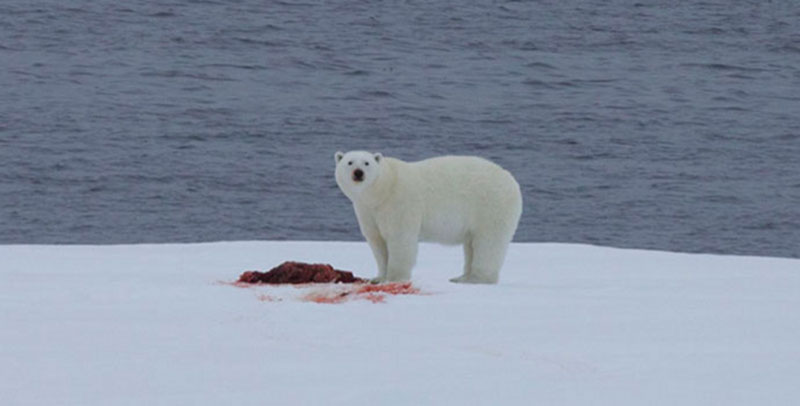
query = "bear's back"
{"x": 461, "y": 176}
{"x": 461, "y": 193}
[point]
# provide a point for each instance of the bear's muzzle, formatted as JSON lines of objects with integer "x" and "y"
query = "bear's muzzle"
{"x": 358, "y": 175}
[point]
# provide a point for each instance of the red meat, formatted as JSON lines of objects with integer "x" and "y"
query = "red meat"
{"x": 299, "y": 272}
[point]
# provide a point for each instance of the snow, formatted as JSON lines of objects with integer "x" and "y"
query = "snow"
{"x": 568, "y": 324}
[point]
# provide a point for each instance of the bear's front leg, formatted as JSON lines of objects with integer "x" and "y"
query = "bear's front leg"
{"x": 402, "y": 257}
{"x": 378, "y": 246}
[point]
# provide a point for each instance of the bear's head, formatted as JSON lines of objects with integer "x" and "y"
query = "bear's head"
{"x": 356, "y": 171}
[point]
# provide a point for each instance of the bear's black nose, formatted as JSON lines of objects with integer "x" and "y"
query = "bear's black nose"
{"x": 358, "y": 175}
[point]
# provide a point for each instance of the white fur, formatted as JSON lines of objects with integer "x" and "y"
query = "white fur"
{"x": 451, "y": 200}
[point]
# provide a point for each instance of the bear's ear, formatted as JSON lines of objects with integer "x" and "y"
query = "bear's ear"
{"x": 378, "y": 156}
{"x": 339, "y": 155}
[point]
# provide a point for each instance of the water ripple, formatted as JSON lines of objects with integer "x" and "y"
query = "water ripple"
{"x": 653, "y": 125}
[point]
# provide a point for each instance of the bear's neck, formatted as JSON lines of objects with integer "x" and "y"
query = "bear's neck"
{"x": 381, "y": 188}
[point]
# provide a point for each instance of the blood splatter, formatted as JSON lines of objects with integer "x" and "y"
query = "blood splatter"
{"x": 397, "y": 288}
{"x": 372, "y": 293}
{"x": 326, "y": 297}
{"x": 313, "y": 279}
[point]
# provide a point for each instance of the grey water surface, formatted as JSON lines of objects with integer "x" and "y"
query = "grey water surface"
{"x": 664, "y": 125}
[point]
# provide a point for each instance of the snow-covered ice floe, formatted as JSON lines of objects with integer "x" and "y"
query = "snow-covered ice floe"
{"x": 568, "y": 324}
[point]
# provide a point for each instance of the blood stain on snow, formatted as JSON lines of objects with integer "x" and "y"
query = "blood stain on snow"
{"x": 326, "y": 284}
{"x": 374, "y": 297}
{"x": 372, "y": 293}
{"x": 397, "y": 288}
{"x": 326, "y": 297}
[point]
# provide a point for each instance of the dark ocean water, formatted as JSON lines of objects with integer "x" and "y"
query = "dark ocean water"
{"x": 666, "y": 125}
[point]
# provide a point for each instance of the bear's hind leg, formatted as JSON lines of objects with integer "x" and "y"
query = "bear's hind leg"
{"x": 467, "y": 263}
{"x": 488, "y": 255}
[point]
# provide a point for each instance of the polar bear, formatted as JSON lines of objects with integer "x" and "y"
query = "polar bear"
{"x": 450, "y": 200}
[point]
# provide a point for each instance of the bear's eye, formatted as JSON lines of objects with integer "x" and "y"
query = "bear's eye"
{"x": 366, "y": 163}
{"x": 350, "y": 163}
